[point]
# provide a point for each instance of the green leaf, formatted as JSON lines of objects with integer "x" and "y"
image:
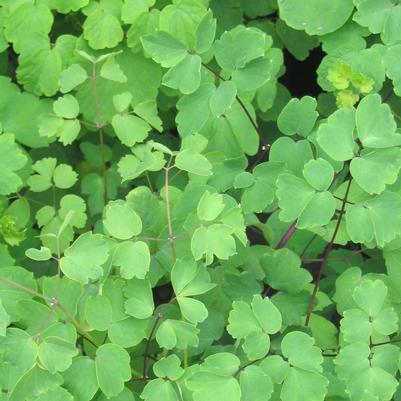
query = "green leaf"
{"x": 302, "y": 385}
{"x": 132, "y": 9}
{"x": 194, "y": 110}
{"x": 69, "y": 132}
{"x": 319, "y": 173}
{"x": 260, "y": 195}
{"x": 27, "y": 19}
{"x": 56, "y": 354}
{"x": 370, "y": 296}
{"x": 298, "y": 116}
{"x": 283, "y": 271}
{"x": 354, "y": 366}
{"x": 182, "y": 19}
{"x": 36, "y": 383}
{"x": 65, "y": 6}
{"x": 262, "y": 316}
{"x": 336, "y": 136}
{"x": 176, "y": 333}
{"x": 375, "y": 123}
{"x": 112, "y": 369}
{"x": 256, "y": 345}
{"x": 11, "y": 295}
{"x": 192, "y": 310}
{"x": 159, "y": 388}
{"x": 45, "y": 169}
{"x": 190, "y": 278}
{"x": 38, "y": 254}
{"x": 128, "y": 332}
{"x": 133, "y": 258}
{"x": 83, "y": 260}
{"x": 169, "y": 367}
{"x": 242, "y": 320}
{"x": 373, "y": 14}
{"x": 266, "y": 313}
{"x": 357, "y": 325}
{"x": 312, "y": 208}
{"x": 299, "y": 348}
{"x": 64, "y": 176}
{"x": 122, "y": 101}
{"x": 317, "y": 17}
{"x": 121, "y": 221}
{"x": 11, "y": 160}
{"x": 193, "y": 162}
{"x": 130, "y": 129}
{"x": 238, "y": 47}
{"x": 73, "y": 204}
{"x": 98, "y": 312}
{"x": 256, "y": 384}
{"x": 185, "y": 76}
{"x": 102, "y": 30}
{"x": 380, "y": 17}
{"x": 223, "y": 98}
{"x": 376, "y": 219}
{"x": 293, "y": 154}
{"x": 205, "y": 33}
{"x": 4, "y": 320}
{"x": 18, "y": 349}
{"x": 392, "y": 68}
{"x": 112, "y": 71}
{"x": 215, "y": 239}
{"x": 66, "y": 106}
{"x": 80, "y": 378}
{"x": 140, "y": 299}
{"x": 164, "y": 49}
{"x": 299, "y": 44}
{"x": 215, "y": 378}
{"x": 210, "y": 206}
{"x": 368, "y": 171}
{"x": 253, "y": 75}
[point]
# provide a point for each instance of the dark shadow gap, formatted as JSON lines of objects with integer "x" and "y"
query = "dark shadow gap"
{"x": 300, "y": 77}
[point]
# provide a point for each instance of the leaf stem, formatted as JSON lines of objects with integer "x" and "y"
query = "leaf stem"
{"x": 146, "y": 352}
{"x": 25, "y": 289}
{"x": 99, "y": 126}
{"x": 326, "y": 254}
{"x": 159, "y": 316}
{"x": 53, "y": 302}
{"x": 287, "y": 236}
{"x": 241, "y": 368}
{"x": 171, "y": 237}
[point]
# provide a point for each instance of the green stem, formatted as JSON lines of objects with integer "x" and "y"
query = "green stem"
{"x": 99, "y": 126}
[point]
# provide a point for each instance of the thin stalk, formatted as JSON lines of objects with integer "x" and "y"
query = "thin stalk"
{"x": 159, "y": 316}
{"x": 78, "y": 327}
{"x": 287, "y": 236}
{"x": 171, "y": 237}
{"x": 326, "y": 254}
{"x": 99, "y": 126}
{"x": 54, "y": 304}
{"x": 146, "y": 352}
{"x": 25, "y": 289}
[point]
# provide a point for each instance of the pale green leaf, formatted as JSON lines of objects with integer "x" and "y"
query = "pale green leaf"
{"x": 121, "y": 221}
{"x": 298, "y": 116}
{"x": 112, "y": 369}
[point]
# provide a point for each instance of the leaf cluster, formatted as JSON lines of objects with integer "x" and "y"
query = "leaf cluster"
{"x": 175, "y": 225}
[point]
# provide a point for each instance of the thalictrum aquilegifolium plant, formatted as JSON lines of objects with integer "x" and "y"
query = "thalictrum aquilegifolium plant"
{"x": 175, "y": 225}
